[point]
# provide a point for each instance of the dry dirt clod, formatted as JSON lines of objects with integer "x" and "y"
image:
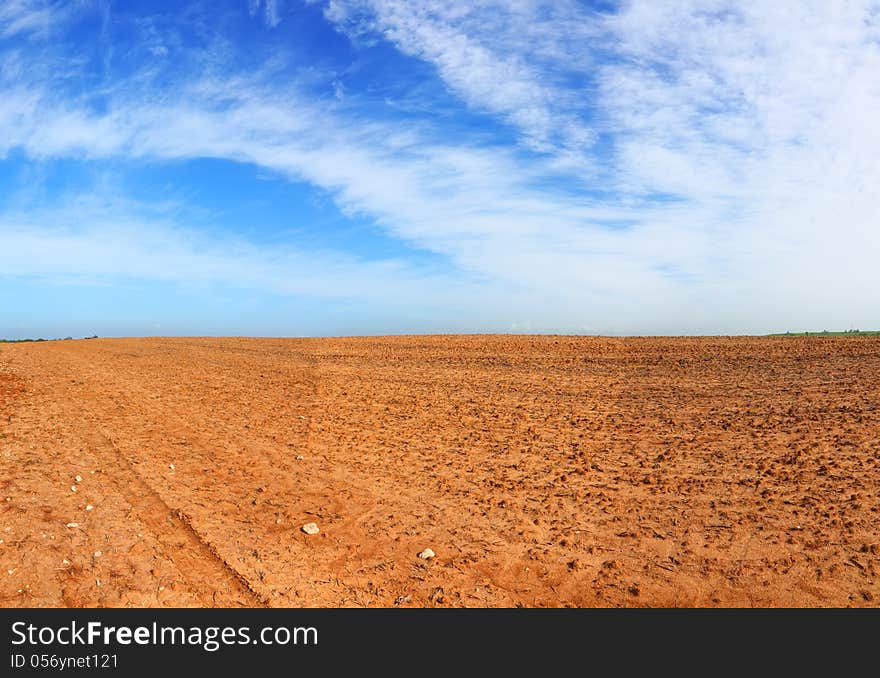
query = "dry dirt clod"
{"x": 427, "y": 554}
{"x": 311, "y": 528}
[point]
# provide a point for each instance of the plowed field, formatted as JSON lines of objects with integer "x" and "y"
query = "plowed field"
{"x": 542, "y": 471}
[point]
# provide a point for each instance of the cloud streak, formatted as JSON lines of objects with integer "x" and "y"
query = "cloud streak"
{"x": 271, "y": 11}
{"x": 25, "y": 17}
{"x": 495, "y": 56}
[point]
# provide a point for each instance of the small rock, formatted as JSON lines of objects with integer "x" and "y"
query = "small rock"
{"x": 89, "y": 507}
{"x": 300, "y": 457}
{"x": 311, "y": 528}
{"x": 98, "y": 554}
{"x": 427, "y": 554}
{"x": 78, "y": 479}
{"x": 171, "y": 466}
{"x": 72, "y": 524}
{"x": 73, "y": 488}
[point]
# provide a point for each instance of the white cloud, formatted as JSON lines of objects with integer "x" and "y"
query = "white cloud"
{"x": 271, "y": 11}
{"x": 494, "y": 55}
{"x": 471, "y": 204}
{"x": 94, "y": 238}
{"x": 24, "y": 17}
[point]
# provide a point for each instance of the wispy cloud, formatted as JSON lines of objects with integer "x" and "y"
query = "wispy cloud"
{"x": 271, "y": 10}
{"x": 495, "y": 55}
{"x": 25, "y": 17}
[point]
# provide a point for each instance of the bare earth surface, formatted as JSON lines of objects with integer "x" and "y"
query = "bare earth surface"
{"x": 542, "y": 471}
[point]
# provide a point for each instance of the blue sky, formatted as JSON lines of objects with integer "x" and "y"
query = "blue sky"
{"x": 326, "y": 167}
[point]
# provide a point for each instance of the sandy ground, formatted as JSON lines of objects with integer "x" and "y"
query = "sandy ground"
{"x": 542, "y": 471}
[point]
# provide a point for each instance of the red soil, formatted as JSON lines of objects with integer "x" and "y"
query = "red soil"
{"x": 543, "y": 471}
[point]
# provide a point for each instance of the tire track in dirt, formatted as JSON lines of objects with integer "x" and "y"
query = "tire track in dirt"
{"x": 273, "y": 480}
{"x": 206, "y": 574}
{"x": 198, "y": 561}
